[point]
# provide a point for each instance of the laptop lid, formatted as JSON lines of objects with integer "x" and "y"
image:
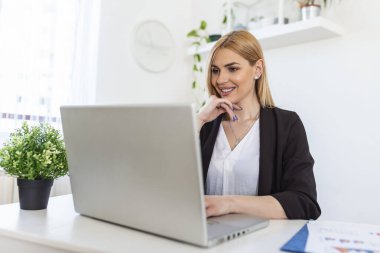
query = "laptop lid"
{"x": 138, "y": 166}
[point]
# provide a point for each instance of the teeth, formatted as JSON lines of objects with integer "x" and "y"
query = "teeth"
{"x": 227, "y": 90}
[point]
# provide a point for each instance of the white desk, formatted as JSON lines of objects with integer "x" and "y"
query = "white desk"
{"x": 60, "y": 229}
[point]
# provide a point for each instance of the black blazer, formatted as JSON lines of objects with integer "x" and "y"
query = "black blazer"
{"x": 286, "y": 165}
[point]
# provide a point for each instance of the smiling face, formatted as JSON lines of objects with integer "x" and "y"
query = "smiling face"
{"x": 232, "y": 76}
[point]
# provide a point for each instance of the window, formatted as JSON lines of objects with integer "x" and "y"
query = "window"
{"x": 48, "y": 57}
{"x": 37, "y": 44}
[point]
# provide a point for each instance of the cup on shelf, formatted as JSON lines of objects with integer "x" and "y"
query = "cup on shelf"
{"x": 310, "y": 11}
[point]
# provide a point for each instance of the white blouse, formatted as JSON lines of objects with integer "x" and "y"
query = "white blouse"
{"x": 235, "y": 172}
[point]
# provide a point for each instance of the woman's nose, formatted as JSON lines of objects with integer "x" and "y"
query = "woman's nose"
{"x": 222, "y": 78}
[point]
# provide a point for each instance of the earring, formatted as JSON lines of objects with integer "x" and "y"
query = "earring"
{"x": 256, "y": 77}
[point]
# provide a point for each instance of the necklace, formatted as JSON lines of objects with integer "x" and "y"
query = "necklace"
{"x": 237, "y": 138}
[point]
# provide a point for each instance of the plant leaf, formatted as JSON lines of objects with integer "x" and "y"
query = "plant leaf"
{"x": 196, "y": 43}
{"x": 203, "y": 25}
{"x": 192, "y": 33}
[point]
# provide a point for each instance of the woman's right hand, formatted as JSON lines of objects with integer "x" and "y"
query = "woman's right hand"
{"x": 214, "y": 108}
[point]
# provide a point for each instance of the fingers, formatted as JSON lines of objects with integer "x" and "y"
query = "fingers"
{"x": 217, "y": 205}
{"x": 228, "y": 110}
{"x": 207, "y": 202}
{"x": 214, "y": 206}
{"x": 215, "y": 107}
{"x": 226, "y": 106}
{"x": 235, "y": 107}
{"x": 210, "y": 209}
{"x": 209, "y": 212}
{"x": 219, "y": 101}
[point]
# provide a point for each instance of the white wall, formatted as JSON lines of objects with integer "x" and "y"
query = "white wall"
{"x": 120, "y": 79}
{"x": 333, "y": 85}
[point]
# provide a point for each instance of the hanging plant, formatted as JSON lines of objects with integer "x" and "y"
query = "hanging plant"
{"x": 199, "y": 37}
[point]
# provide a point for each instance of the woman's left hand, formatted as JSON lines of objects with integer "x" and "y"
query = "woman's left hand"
{"x": 217, "y": 205}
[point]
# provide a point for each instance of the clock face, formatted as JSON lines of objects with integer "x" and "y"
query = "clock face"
{"x": 153, "y": 46}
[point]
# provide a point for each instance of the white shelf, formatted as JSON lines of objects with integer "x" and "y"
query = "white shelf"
{"x": 277, "y": 36}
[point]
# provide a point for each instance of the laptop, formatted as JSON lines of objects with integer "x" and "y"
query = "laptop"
{"x": 140, "y": 166}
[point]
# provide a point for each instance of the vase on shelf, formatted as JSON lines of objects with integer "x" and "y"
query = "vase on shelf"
{"x": 310, "y": 11}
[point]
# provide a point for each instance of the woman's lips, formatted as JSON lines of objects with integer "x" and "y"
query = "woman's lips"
{"x": 224, "y": 92}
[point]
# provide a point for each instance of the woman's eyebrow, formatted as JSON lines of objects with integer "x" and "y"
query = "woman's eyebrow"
{"x": 227, "y": 65}
{"x": 230, "y": 64}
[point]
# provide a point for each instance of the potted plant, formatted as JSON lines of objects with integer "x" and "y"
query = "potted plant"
{"x": 35, "y": 155}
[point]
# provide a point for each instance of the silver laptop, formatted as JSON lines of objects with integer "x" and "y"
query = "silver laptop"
{"x": 140, "y": 166}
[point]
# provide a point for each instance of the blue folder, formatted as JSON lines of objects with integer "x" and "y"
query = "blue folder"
{"x": 298, "y": 242}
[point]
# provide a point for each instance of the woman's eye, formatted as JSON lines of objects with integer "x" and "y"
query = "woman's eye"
{"x": 232, "y": 69}
{"x": 215, "y": 71}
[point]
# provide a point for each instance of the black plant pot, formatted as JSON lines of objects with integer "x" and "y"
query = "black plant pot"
{"x": 34, "y": 194}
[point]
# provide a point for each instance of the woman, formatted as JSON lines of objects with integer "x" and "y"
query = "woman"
{"x": 255, "y": 156}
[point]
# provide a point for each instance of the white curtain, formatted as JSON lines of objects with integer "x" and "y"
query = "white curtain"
{"x": 48, "y": 57}
{"x": 7, "y": 189}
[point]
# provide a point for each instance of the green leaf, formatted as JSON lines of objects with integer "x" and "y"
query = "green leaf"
{"x": 192, "y": 33}
{"x": 194, "y": 85}
{"x": 195, "y": 68}
{"x": 197, "y": 57}
{"x": 203, "y": 25}
{"x": 196, "y": 43}
{"x": 224, "y": 20}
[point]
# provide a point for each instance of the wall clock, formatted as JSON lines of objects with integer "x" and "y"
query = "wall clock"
{"x": 153, "y": 46}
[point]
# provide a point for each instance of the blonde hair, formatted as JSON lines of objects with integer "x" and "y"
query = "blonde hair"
{"x": 247, "y": 46}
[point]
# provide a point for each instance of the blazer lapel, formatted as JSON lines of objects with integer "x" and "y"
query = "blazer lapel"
{"x": 267, "y": 151}
{"x": 208, "y": 147}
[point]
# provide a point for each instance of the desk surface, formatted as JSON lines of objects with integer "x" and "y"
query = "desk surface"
{"x": 61, "y": 228}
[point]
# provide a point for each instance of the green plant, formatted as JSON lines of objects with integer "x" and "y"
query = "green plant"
{"x": 199, "y": 36}
{"x": 34, "y": 152}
